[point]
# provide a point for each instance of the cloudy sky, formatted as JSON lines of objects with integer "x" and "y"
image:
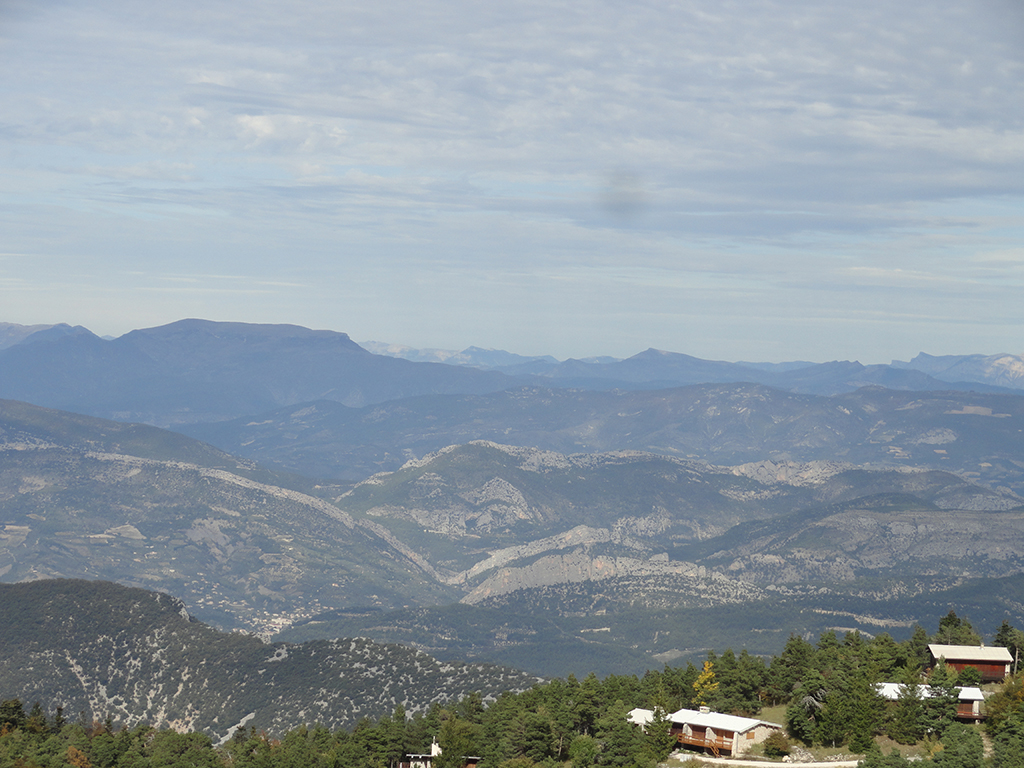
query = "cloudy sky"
{"x": 733, "y": 179}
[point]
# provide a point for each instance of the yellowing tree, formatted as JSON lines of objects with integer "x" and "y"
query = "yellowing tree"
{"x": 705, "y": 685}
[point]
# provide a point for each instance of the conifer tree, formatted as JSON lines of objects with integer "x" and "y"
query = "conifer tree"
{"x": 659, "y": 741}
{"x": 866, "y": 710}
{"x": 1008, "y": 744}
{"x": 622, "y": 742}
{"x": 941, "y": 705}
{"x": 907, "y": 723}
{"x": 804, "y": 711}
{"x": 954, "y": 630}
{"x": 788, "y": 668}
{"x": 917, "y": 648}
{"x": 961, "y": 748}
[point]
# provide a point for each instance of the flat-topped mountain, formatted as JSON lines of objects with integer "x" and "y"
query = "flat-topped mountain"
{"x": 137, "y": 656}
{"x": 197, "y": 370}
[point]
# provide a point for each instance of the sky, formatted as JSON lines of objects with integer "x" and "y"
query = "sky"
{"x": 732, "y": 179}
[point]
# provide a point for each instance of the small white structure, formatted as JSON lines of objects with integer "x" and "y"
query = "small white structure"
{"x": 426, "y": 761}
{"x": 968, "y": 708}
{"x": 641, "y": 717}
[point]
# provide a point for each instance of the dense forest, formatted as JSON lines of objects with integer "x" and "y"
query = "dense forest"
{"x": 826, "y": 690}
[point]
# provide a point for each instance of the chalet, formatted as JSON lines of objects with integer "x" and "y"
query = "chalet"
{"x": 712, "y": 732}
{"x": 968, "y": 708}
{"x": 993, "y": 662}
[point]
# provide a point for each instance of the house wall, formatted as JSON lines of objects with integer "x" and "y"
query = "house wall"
{"x": 988, "y": 671}
{"x": 744, "y": 741}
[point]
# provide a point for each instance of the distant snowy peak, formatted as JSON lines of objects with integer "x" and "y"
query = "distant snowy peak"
{"x": 1004, "y": 370}
{"x": 474, "y": 357}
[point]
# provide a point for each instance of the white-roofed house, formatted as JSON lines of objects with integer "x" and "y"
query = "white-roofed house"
{"x": 992, "y": 661}
{"x": 968, "y": 707}
{"x": 718, "y": 733}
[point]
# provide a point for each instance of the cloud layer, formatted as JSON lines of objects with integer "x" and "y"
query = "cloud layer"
{"x": 730, "y": 179}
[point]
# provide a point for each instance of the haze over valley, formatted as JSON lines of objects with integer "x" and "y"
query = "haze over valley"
{"x": 608, "y": 520}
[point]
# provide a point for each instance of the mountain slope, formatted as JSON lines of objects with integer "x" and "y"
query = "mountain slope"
{"x": 140, "y": 505}
{"x": 135, "y": 655}
{"x": 978, "y": 435}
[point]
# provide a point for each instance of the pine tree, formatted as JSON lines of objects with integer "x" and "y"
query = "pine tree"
{"x": 954, "y": 630}
{"x": 907, "y": 723}
{"x": 1012, "y": 639}
{"x": 941, "y": 705}
{"x": 659, "y": 741}
{"x": 623, "y": 743}
{"x": 866, "y": 712}
{"x": 1008, "y": 743}
{"x": 917, "y": 648}
{"x": 961, "y": 748}
{"x": 805, "y": 710}
{"x": 788, "y": 668}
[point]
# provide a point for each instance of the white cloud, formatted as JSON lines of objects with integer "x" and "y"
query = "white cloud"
{"x": 804, "y": 146}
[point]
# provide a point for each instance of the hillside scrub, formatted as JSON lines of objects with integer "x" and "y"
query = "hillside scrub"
{"x": 827, "y": 689}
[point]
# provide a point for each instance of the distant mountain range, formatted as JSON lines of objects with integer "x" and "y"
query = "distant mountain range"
{"x": 562, "y": 516}
{"x": 976, "y": 435}
{"x": 545, "y": 544}
{"x": 101, "y": 650}
{"x": 660, "y": 368}
{"x": 200, "y": 371}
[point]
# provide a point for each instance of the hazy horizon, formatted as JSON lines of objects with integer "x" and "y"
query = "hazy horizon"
{"x": 755, "y": 181}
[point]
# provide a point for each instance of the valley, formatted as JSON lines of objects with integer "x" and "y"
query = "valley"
{"x": 552, "y": 529}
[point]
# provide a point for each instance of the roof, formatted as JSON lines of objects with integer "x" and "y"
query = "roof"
{"x": 718, "y": 721}
{"x": 980, "y": 653}
{"x": 891, "y": 692}
{"x": 640, "y": 716}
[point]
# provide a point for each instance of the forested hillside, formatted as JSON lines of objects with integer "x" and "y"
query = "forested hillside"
{"x": 824, "y": 692}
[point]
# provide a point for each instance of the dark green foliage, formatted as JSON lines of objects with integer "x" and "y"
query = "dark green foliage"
{"x": 1005, "y": 704}
{"x": 875, "y": 759}
{"x": 622, "y": 743}
{"x": 583, "y": 751}
{"x": 969, "y": 677}
{"x": 906, "y": 724}
{"x": 1008, "y": 744}
{"x": 1010, "y": 638}
{"x": 741, "y": 682}
{"x": 834, "y": 701}
{"x": 917, "y": 648}
{"x": 659, "y": 742}
{"x": 776, "y": 745}
{"x": 12, "y": 714}
{"x": 940, "y": 707}
{"x": 789, "y": 667}
{"x": 954, "y": 630}
{"x": 805, "y": 712}
{"x": 961, "y": 748}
